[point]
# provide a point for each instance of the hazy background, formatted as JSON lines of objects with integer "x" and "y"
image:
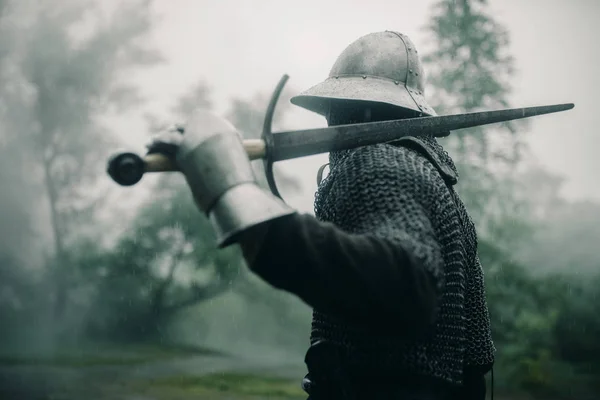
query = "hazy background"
{"x": 253, "y": 43}
{"x": 112, "y": 292}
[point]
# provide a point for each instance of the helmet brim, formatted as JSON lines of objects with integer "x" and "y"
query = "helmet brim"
{"x": 370, "y": 89}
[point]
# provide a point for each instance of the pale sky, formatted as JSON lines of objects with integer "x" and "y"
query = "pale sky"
{"x": 242, "y": 47}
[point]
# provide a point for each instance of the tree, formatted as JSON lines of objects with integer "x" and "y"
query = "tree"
{"x": 74, "y": 85}
{"x": 470, "y": 69}
{"x": 63, "y": 70}
{"x": 577, "y": 328}
{"x": 523, "y": 312}
{"x": 17, "y": 205}
{"x": 542, "y": 325}
{"x": 167, "y": 261}
{"x": 18, "y": 297}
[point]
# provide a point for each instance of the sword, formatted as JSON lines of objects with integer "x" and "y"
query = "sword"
{"x": 128, "y": 168}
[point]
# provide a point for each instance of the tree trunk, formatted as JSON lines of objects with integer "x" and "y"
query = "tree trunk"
{"x": 60, "y": 256}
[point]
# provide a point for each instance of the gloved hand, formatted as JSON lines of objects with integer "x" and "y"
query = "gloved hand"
{"x": 167, "y": 142}
{"x": 210, "y": 153}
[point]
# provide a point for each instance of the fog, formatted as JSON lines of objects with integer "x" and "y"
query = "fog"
{"x": 552, "y": 41}
{"x": 109, "y": 291}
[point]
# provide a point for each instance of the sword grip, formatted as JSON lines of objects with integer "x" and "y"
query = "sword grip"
{"x": 256, "y": 149}
{"x": 158, "y": 163}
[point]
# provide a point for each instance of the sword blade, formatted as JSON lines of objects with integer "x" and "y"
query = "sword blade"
{"x": 294, "y": 144}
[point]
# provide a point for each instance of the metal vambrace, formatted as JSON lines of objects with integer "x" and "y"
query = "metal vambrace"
{"x": 218, "y": 171}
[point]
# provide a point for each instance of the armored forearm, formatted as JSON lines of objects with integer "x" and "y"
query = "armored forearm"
{"x": 210, "y": 153}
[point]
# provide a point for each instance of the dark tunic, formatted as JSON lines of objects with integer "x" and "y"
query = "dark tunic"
{"x": 391, "y": 270}
{"x": 358, "y": 277}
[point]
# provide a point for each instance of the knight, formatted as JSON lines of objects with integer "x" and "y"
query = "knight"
{"x": 388, "y": 262}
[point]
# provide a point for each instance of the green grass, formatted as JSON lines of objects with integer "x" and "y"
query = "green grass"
{"x": 178, "y": 350}
{"x": 73, "y": 361}
{"x": 108, "y": 355}
{"x": 231, "y": 385}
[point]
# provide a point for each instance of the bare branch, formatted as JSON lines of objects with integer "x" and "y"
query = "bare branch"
{"x": 159, "y": 293}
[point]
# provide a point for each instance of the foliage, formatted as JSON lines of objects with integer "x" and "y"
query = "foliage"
{"x": 577, "y": 327}
{"x": 168, "y": 260}
{"x": 61, "y": 70}
{"x": 543, "y": 324}
{"x": 469, "y": 69}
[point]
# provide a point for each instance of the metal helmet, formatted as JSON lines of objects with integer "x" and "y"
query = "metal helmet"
{"x": 381, "y": 67}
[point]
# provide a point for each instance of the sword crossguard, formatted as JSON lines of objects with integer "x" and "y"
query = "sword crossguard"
{"x": 267, "y": 136}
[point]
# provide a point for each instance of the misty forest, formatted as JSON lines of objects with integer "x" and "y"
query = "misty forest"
{"x": 121, "y": 293}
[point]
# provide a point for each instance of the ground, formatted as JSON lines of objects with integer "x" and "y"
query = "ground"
{"x": 150, "y": 373}
{"x": 147, "y": 373}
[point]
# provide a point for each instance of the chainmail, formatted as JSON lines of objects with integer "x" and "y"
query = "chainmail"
{"x": 366, "y": 192}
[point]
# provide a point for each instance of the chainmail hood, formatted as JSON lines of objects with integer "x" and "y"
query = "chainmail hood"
{"x": 461, "y": 336}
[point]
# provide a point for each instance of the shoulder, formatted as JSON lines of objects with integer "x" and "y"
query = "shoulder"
{"x": 392, "y": 165}
{"x": 380, "y": 180}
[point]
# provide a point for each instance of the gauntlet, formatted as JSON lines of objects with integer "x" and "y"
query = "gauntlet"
{"x": 210, "y": 154}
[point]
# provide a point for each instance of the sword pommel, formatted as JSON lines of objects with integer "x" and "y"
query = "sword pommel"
{"x": 127, "y": 169}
